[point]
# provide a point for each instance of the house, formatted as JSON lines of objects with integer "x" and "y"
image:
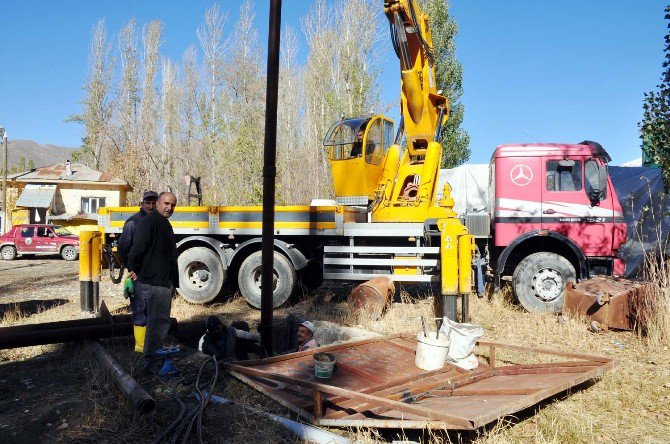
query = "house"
{"x": 67, "y": 194}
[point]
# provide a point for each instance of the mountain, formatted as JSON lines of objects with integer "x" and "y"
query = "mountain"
{"x": 40, "y": 154}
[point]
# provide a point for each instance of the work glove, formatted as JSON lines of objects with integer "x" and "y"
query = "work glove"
{"x": 128, "y": 288}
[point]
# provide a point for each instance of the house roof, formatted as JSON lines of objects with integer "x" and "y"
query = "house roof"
{"x": 59, "y": 174}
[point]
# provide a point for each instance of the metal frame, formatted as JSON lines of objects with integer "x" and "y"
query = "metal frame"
{"x": 377, "y": 385}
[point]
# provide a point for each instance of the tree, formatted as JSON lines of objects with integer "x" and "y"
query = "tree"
{"x": 22, "y": 164}
{"x": 149, "y": 104}
{"x": 96, "y": 104}
{"x": 449, "y": 72}
{"x": 655, "y": 124}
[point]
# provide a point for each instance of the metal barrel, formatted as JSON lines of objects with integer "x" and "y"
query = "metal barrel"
{"x": 371, "y": 298}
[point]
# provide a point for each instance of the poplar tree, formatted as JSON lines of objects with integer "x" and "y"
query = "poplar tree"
{"x": 455, "y": 140}
{"x": 655, "y": 124}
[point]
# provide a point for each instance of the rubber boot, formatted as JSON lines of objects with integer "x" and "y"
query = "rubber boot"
{"x": 140, "y": 332}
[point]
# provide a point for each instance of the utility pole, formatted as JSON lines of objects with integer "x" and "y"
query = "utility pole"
{"x": 3, "y": 134}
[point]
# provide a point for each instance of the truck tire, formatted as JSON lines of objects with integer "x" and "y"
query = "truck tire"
{"x": 539, "y": 281}
{"x": 69, "y": 253}
{"x": 8, "y": 253}
{"x": 201, "y": 275}
{"x": 249, "y": 279}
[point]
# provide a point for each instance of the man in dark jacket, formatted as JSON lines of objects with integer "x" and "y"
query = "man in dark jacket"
{"x": 147, "y": 205}
{"x": 152, "y": 265}
{"x": 138, "y": 305}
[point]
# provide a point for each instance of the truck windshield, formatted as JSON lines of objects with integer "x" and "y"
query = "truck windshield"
{"x": 61, "y": 231}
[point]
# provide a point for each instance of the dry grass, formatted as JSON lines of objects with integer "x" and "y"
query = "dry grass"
{"x": 657, "y": 328}
{"x": 630, "y": 404}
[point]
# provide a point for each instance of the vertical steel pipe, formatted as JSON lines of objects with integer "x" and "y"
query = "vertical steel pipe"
{"x": 90, "y": 269}
{"x": 269, "y": 174}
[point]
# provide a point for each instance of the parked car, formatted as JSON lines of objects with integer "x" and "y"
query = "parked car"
{"x": 39, "y": 239}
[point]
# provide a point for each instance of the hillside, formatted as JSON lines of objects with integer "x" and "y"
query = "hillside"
{"x": 40, "y": 154}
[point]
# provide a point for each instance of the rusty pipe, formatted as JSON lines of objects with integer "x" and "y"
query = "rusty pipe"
{"x": 68, "y": 334}
{"x": 123, "y": 381}
{"x": 118, "y": 319}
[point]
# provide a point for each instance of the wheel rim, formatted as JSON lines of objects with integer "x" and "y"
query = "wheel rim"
{"x": 256, "y": 276}
{"x": 6, "y": 253}
{"x": 547, "y": 284}
{"x": 199, "y": 276}
{"x": 69, "y": 253}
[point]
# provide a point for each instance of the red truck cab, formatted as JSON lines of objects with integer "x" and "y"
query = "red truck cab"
{"x": 556, "y": 217}
{"x": 39, "y": 239}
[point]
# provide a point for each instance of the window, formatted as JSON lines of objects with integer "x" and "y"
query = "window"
{"x": 388, "y": 135}
{"x": 61, "y": 231}
{"x": 564, "y": 175}
{"x": 373, "y": 148}
{"x": 91, "y": 204}
{"x": 27, "y": 231}
{"x": 43, "y": 231}
{"x": 592, "y": 179}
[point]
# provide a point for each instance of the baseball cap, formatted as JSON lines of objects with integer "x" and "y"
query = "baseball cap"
{"x": 150, "y": 195}
{"x": 309, "y": 326}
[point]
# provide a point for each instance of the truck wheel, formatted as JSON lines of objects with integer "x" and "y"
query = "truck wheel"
{"x": 69, "y": 253}
{"x": 8, "y": 253}
{"x": 249, "y": 279}
{"x": 201, "y": 275}
{"x": 539, "y": 281}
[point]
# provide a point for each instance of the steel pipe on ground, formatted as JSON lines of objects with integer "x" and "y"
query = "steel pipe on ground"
{"x": 123, "y": 381}
{"x": 118, "y": 319}
{"x": 70, "y": 333}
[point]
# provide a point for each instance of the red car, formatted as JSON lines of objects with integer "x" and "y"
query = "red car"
{"x": 39, "y": 239}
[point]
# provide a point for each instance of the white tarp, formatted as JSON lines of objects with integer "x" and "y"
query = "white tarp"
{"x": 469, "y": 187}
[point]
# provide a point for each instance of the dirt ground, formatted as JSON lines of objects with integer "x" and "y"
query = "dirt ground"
{"x": 58, "y": 393}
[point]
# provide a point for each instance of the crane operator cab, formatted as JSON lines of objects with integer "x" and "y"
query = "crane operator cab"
{"x": 357, "y": 147}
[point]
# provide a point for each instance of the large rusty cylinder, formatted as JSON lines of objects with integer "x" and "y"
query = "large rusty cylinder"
{"x": 612, "y": 302}
{"x": 371, "y": 298}
{"x": 70, "y": 333}
{"x": 123, "y": 381}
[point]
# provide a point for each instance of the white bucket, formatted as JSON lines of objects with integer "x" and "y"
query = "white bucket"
{"x": 431, "y": 353}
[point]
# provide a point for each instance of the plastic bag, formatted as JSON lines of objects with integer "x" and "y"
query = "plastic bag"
{"x": 462, "y": 339}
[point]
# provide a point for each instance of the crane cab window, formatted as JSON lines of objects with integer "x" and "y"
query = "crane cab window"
{"x": 564, "y": 175}
{"x": 373, "y": 145}
{"x": 361, "y": 137}
{"x": 345, "y": 138}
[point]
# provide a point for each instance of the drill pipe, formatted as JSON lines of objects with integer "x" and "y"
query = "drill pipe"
{"x": 70, "y": 333}
{"x": 123, "y": 381}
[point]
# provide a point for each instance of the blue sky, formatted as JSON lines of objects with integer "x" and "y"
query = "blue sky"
{"x": 532, "y": 70}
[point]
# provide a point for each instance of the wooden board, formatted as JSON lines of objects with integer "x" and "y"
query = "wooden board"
{"x": 376, "y": 384}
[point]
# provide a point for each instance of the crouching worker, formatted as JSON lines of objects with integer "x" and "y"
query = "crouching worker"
{"x": 305, "y": 336}
{"x": 232, "y": 342}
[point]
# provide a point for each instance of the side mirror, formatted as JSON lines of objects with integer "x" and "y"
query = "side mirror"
{"x": 51, "y": 235}
{"x": 596, "y": 181}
